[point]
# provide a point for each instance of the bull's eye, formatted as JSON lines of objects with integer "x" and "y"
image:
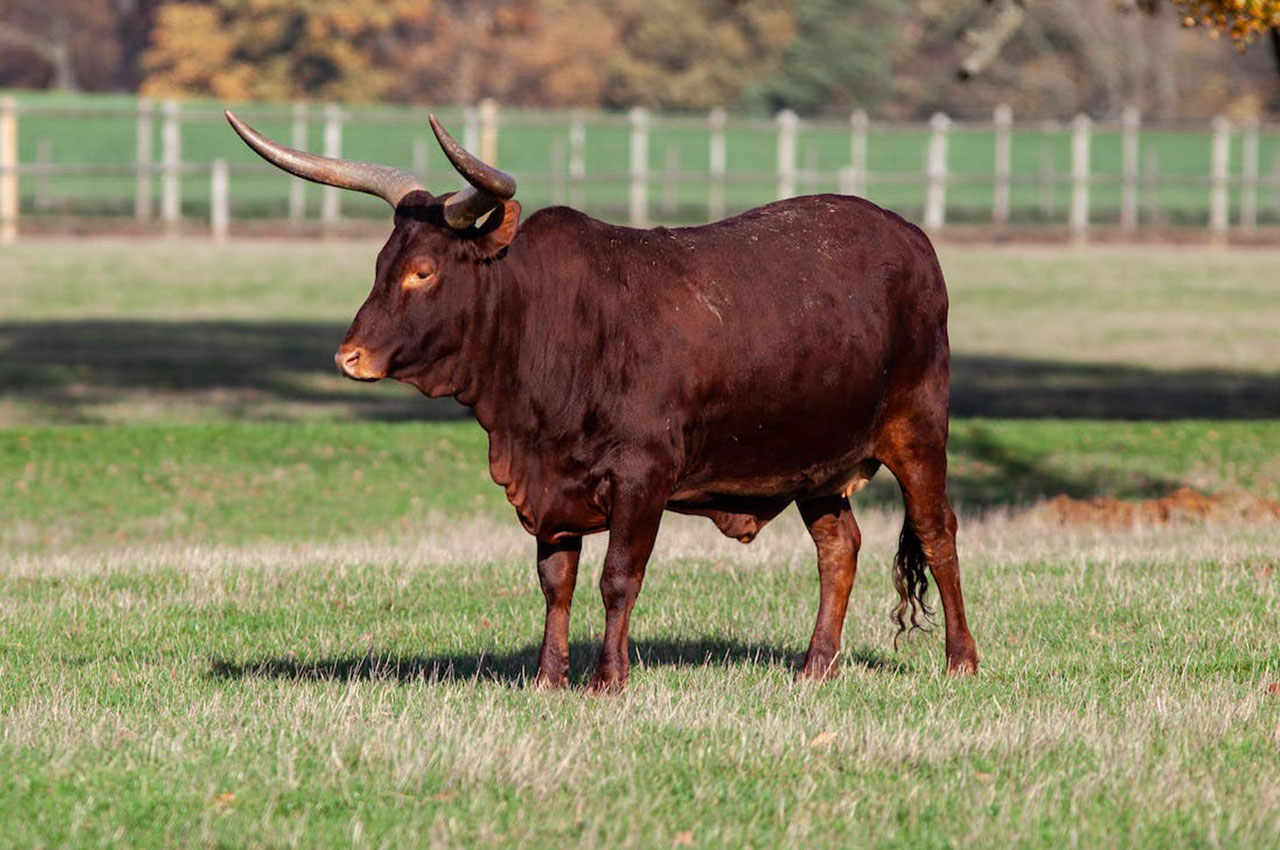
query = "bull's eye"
{"x": 419, "y": 279}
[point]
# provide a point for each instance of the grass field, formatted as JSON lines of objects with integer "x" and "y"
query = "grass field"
{"x": 529, "y": 139}
{"x": 228, "y": 620}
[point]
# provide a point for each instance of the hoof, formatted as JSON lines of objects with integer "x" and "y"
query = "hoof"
{"x": 550, "y": 682}
{"x": 818, "y": 669}
{"x": 963, "y": 666}
{"x": 605, "y": 687}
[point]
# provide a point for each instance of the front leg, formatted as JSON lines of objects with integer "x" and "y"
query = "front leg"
{"x": 633, "y": 527}
{"x": 557, "y": 572}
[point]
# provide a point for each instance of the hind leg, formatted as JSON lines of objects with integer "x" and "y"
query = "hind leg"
{"x": 836, "y": 535}
{"x": 917, "y": 457}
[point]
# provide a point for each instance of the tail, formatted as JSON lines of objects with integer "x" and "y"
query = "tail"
{"x": 911, "y": 581}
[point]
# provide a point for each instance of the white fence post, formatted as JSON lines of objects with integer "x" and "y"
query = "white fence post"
{"x": 670, "y": 179}
{"x": 858, "y": 124}
{"x": 171, "y": 182}
{"x": 1003, "y": 165}
{"x": 1078, "y": 218}
{"x": 1130, "y": 121}
{"x": 715, "y": 199}
{"x": 1249, "y": 176}
{"x": 8, "y": 169}
{"x": 219, "y": 200}
{"x": 44, "y": 163}
{"x": 418, "y": 155}
{"x": 489, "y": 130}
{"x": 935, "y": 196}
{"x": 558, "y": 171}
{"x": 577, "y": 158}
{"x": 297, "y": 186}
{"x": 143, "y": 152}
{"x": 330, "y": 197}
{"x": 638, "y": 207}
{"x": 1151, "y": 185}
{"x": 471, "y": 129}
{"x": 1218, "y": 169}
{"x": 788, "y": 123}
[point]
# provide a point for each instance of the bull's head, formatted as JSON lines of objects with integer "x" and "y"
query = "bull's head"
{"x": 426, "y": 272}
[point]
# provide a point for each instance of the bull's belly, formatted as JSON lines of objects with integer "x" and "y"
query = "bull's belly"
{"x": 725, "y": 492}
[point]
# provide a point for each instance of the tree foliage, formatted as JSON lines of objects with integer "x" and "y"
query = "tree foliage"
{"x": 1242, "y": 20}
{"x": 840, "y": 57}
{"x": 276, "y": 49}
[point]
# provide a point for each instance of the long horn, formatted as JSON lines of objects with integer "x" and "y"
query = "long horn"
{"x": 390, "y": 184}
{"x": 487, "y": 186}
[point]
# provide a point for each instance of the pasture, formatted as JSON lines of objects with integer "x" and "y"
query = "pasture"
{"x": 243, "y": 603}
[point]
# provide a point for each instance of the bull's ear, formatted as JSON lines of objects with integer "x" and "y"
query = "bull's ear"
{"x": 500, "y": 229}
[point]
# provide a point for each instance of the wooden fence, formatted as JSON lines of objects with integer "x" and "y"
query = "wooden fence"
{"x": 971, "y": 172}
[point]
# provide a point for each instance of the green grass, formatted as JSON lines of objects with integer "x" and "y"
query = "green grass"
{"x": 269, "y": 635}
{"x": 313, "y": 632}
{"x": 529, "y": 140}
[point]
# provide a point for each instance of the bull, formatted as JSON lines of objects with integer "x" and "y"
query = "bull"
{"x": 782, "y": 355}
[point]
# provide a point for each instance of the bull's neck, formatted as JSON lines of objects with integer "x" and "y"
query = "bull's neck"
{"x": 484, "y": 373}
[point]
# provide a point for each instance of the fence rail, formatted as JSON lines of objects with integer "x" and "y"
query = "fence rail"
{"x": 175, "y": 165}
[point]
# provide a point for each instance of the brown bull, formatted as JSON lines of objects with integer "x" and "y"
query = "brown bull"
{"x": 727, "y": 371}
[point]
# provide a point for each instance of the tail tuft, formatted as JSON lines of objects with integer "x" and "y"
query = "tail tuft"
{"x": 911, "y": 581}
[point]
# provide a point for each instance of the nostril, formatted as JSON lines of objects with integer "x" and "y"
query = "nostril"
{"x": 347, "y": 360}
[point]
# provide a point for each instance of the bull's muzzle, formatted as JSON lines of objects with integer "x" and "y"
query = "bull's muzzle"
{"x": 354, "y": 362}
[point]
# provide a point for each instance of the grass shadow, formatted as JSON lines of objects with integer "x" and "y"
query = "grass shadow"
{"x": 519, "y": 666}
{"x": 68, "y": 370}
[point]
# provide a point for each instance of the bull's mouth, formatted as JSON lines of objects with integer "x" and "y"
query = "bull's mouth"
{"x": 355, "y": 363}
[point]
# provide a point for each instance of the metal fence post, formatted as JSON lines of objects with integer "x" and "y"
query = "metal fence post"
{"x": 935, "y": 196}
{"x": 219, "y": 200}
{"x": 1078, "y": 218}
{"x": 1130, "y": 121}
{"x": 1249, "y": 176}
{"x": 8, "y": 169}
{"x": 715, "y": 198}
{"x": 143, "y": 146}
{"x": 1220, "y": 162}
{"x": 297, "y": 186}
{"x": 171, "y": 182}
{"x": 1003, "y": 165}
{"x": 577, "y": 158}
{"x": 788, "y": 123}
{"x": 330, "y": 197}
{"x": 638, "y": 208}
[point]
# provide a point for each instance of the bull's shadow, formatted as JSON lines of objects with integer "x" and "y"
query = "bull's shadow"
{"x": 69, "y": 369}
{"x": 518, "y": 667}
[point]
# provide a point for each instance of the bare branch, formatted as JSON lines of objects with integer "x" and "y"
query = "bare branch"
{"x": 991, "y": 40}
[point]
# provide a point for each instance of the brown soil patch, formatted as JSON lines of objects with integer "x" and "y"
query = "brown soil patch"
{"x": 1181, "y": 505}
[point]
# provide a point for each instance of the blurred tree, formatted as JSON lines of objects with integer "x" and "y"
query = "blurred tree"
{"x": 1061, "y": 56}
{"x": 276, "y": 49}
{"x": 840, "y": 57}
{"x": 694, "y": 54}
{"x": 62, "y": 44}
